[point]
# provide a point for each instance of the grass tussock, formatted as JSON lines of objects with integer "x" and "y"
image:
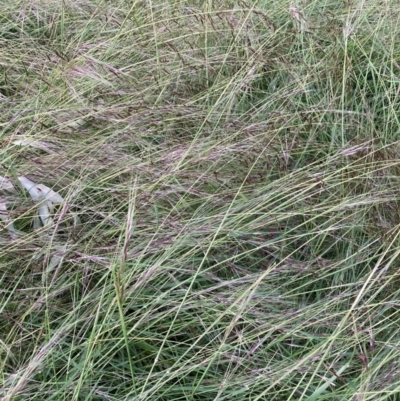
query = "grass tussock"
{"x": 229, "y": 228}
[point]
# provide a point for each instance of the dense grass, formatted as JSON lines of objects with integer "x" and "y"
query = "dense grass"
{"x": 230, "y": 229}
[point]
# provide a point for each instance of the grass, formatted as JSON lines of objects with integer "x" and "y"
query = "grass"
{"x": 230, "y": 224}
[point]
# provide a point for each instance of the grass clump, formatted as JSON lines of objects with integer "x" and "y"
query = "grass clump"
{"x": 230, "y": 208}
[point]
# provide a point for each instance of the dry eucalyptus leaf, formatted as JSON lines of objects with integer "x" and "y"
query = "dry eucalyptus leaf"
{"x": 45, "y": 197}
{"x": 4, "y": 216}
{"x": 6, "y": 184}
{"x": 45, "y": 146}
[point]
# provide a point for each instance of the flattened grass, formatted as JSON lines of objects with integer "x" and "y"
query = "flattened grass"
{"x": 234, "y": 168}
